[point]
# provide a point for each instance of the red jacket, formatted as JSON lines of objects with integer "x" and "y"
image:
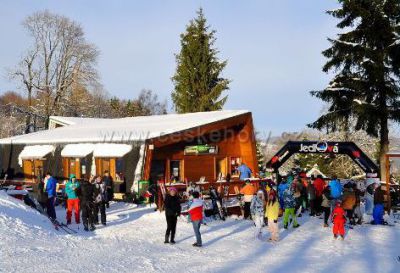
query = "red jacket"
{"x": 319, "y": 185}
{"x": 196, "y": 210}
{"x": 338, "y": 215}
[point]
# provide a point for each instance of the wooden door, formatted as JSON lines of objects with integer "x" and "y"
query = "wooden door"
{"x": 71, "y": 166}
{"x": 106, "y": 164}
{"x": 28, "y": 169}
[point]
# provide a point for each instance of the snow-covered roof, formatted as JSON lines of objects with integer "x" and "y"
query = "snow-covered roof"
{"x": 123, "y": 129}
{"x": 77, "y": 150}
{"x": 73, "y": 120}
{"x": 35, "y": 152}
{"x": 111, "y": 150}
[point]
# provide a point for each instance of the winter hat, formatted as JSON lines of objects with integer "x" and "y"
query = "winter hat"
{"x": 260, "y": 191}
{"x": 173, "y": 189}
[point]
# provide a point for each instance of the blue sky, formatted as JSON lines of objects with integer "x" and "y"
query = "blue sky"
{"x": 273, "y": 49}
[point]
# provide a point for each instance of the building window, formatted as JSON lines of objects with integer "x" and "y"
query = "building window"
{"x": 175, "y": 170}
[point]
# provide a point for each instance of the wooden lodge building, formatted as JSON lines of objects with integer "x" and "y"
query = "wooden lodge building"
{"x": 173, "y": 147}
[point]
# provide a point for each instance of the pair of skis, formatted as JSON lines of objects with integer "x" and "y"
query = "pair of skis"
{"x": 62, "y": 227}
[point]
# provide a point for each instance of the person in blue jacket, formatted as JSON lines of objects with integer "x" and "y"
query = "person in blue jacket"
{"x": 245, "y": 171}
{"x": 336, "y": 188}
{"x": 51, "y": 189}
{"x": 281, "y": 188}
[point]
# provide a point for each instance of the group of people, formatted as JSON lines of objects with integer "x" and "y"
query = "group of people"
{"x": 85, "y": 200}
{"x": 338, "y": 203}
{"x": 172, "y": 208}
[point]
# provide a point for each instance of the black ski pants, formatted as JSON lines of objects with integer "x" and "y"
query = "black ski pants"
{"x": 247, "y": 213}
{"x": 327, "y": 213}
{"x": 312, "y": 207}
{"x": 102, "y": 208}
{"x": 171, "y": 226}
{"x": 87, "y": 214}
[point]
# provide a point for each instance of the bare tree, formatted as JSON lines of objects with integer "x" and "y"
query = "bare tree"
{"x": 60, "y": 56}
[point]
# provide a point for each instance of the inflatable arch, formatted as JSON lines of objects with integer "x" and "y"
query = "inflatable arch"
{"x": 323, "y": 147}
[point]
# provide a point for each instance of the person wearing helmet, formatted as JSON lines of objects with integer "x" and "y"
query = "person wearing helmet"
{"x": 73, "y": 201}
{"x": 257, "y": 212}
{"x": 338, "y": 219}
{"x": 172, "y": 207}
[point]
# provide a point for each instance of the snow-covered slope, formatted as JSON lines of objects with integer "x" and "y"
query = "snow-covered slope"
{"x": 133, "y": 242}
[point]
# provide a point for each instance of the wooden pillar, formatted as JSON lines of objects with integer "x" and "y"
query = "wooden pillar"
{"x": 147, "y": 161}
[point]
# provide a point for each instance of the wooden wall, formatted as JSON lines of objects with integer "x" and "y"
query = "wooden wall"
{"x": 238, "y": 141}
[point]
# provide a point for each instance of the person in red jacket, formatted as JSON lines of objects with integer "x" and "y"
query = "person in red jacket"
{"x": 319, "y": 185}
{"x": 338, "y": 219}
{"x": 196, "y": 216}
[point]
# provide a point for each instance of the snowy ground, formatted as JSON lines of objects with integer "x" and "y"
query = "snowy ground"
{"x": 133, "y": 242}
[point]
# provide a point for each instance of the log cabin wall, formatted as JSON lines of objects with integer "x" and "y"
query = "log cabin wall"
{"x": 237, "y": 141}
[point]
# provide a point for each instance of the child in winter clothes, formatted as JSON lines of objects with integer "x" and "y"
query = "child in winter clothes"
{"x": 338, "y": 219}
{"x": 349, "y": 202}
{"x": 379, "y": 211}
{"x": 272, "y": 213}
{"x": 196, "y": 216}
{"x": 326, "y": 204}
{"x": 172, "y": 211}
{"x": 248, "y": 191}
{"x": 290, "y": 204}
{"x": 257, "y": 212}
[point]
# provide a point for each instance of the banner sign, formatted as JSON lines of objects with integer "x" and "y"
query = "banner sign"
{"x": 201, "y": 150}
{"x": 323, "y": 147}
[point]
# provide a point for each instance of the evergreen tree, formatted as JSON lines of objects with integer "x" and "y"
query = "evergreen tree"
{"x": 198, "y": 82}
{"x": 366, "y": 62}
{"x": 260, "y": 155}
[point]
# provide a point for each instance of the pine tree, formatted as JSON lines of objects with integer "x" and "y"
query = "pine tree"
{"x": 366, "y": 63}
{"x": 198, "y": 82}
{"x": 260, "y": 155}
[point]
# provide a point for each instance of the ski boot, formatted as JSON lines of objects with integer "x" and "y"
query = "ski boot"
{"x": 326, "y": 225}
{"x": 92, "y": 228}
{"x": 85, "y": 228}
{"x": 166, "y": 239}
{"x": 296, "y": 226}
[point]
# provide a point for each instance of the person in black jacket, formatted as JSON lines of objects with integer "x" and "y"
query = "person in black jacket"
{"x": 87, "y": 194}
{"x": 107, "y": 179}
{"x": 172, "y": 211}
{"x": 42, "y": 197}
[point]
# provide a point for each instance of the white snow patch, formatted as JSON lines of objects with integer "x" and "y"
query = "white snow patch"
{"x": 132, "y": 241}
